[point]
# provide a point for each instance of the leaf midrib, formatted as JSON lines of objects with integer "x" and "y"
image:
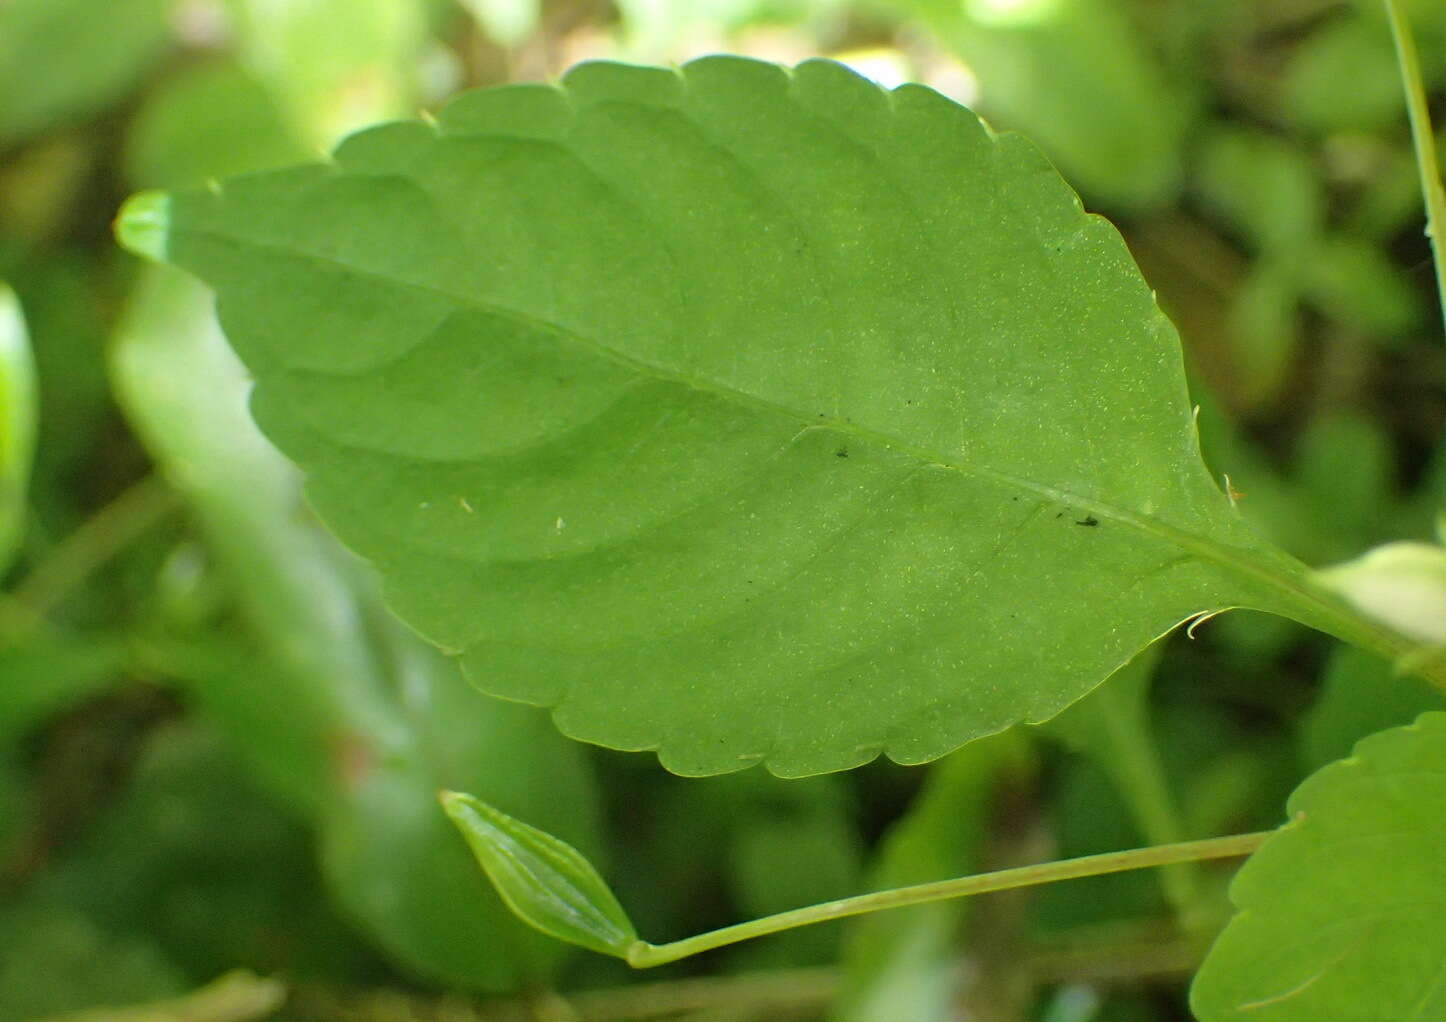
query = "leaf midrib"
{"x": 1290, "y": 584}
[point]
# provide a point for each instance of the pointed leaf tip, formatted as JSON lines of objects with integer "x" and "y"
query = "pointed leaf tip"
{"x": 545, "y": 881}
{"x": 143, "y": 224}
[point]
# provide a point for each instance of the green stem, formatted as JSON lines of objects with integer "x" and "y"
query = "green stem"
{"x": 643, "y": 955}
{"x": 1423, "y": 138}
{"x": 1141, "y": 775}
{"x": 1323, "y": 610}
{"x": 102, "y": 536}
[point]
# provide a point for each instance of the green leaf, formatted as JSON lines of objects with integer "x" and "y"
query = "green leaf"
{"x": 1340, "y": 913}
{"x": 1354, "y": 281}
{"x": 61, "y": 294}
{"x": 65, "y": 59}
{"x": 215, "y": 873}
{"x": 45, "y": 675}
{"x": 1343, "y": 77}
{"x": 1360, "y": 694}
{"x": 1263, "y": 329}
{"x": 17, "y": 422}
{"x": 57, "y": 959}
{"x": 545, "y": 881}
{"x": 207, "y": 121}
{"x": 1266, "y": 188}
{"x": 1345, "y": 475}
{"x": 735, "y": 413}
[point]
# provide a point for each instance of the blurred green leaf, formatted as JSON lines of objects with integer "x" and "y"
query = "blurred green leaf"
{"x": 207, "y": 121}
{"x": 62, "y": 60}
{"x": 1344, "y": 467}
{"x": 1354, "y": 282}
{"x": 281, "y": 739}
{"x": 1360, "y": 695}
{"x": 660, "y": 30}
{"x": 1340, "y": 913}
{"x": 1264, "y": 329}
{"x": 192, "y": 857}
{"x": 63, "y": 292}
{"x": 1230, "y": 778}
{"x": 1264, "y": 186}
{"x": 185, "y": 395}
{"x": 18, "y": 414}
{"x": 544, "y": 880}
{"x": 1086, "y": 1002}
{"x": 1077, "y": 77}
{"x": 1343, "y": 77}
{"x": 46, "y": 674}
{"x": 333, "y": 66}
{"x": 390, "y": 855}
{"x": 56, "y": 959}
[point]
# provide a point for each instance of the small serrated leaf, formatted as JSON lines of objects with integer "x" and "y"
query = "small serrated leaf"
{"x": 1339, "y": 913}
{"x": 545, "y": 881}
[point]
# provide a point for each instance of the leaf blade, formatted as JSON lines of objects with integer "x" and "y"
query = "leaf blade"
{"x": 912, "y": 417}
{"x": 1338, "y": 914}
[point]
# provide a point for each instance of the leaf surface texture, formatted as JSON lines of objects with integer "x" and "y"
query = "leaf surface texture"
{"x": 738, "y": 413}
{"x": 1340, "y": 913}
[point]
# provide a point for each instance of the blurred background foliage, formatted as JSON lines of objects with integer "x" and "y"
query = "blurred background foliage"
{"x": 218, "y": 753}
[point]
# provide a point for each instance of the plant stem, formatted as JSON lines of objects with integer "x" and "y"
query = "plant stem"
{"x": 1422, "y": 136}
{"x": 1325, "y": 611}
{"x": 236, "y": 997}
{"x": 1139, "y": 772}
{"x": 643, "y": 955}
{"x": 100, "y": 538}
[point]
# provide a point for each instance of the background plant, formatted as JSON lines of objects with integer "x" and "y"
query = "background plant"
{"x": 168, "y": 681}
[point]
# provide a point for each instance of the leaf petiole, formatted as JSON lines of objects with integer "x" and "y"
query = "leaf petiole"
{"x": 642, "y": 955}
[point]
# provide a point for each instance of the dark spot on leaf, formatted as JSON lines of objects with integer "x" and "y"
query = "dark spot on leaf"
{"x": 1088, "y": 520}
{"x": 842, "y": 452}
{"x": 1059, "y": 514}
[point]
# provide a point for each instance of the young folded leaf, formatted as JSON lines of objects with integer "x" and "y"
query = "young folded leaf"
{"x": 545, "y": 881}
{"x": 1402, "y": 584}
